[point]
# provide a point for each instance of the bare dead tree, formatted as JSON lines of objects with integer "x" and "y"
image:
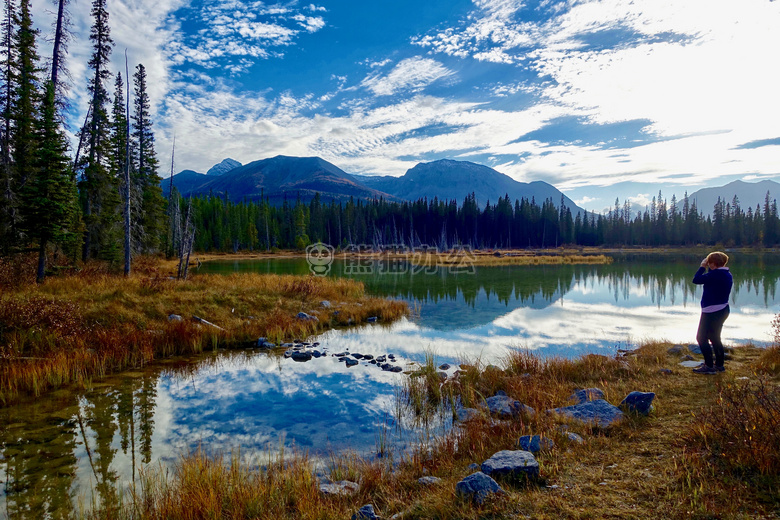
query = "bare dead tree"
{"x": 128, "y": 223}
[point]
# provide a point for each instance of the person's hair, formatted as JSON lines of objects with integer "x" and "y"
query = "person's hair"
{"x": 718, "y": 258}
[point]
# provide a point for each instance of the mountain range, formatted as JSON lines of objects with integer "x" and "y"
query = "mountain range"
{"x": 283, "y": 177}
{"x": 749, "y": 194}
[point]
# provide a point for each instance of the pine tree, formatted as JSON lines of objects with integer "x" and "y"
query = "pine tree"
{"x": 49, "y": 197}
{"x": 148, "y": 182}
{"x": 26, "y": 98}
{"x": 98, "y": 188}
{"x": 8, "y": 208}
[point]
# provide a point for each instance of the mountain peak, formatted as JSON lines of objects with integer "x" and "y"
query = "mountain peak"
{"x": 222, "y": 168}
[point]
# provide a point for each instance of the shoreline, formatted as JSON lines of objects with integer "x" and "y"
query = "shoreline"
{"x": 644, "y": 466}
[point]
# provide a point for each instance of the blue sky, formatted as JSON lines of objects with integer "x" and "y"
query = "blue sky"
{"x": 603, "y": 99}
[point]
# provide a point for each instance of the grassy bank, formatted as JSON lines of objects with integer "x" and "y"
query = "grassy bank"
{"x": 710, "y": 449}
{"x": 454, "y": 258}
{"x": 85, "y": 324}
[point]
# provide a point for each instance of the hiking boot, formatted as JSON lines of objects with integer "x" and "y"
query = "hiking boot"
{"x": 704, "y": 369}
{"x": 720, "y": 368}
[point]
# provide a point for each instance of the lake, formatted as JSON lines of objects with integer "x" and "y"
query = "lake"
{"x": 70, "y": 449}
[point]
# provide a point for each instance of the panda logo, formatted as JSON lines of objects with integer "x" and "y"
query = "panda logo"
{"x": 319, "y": 257}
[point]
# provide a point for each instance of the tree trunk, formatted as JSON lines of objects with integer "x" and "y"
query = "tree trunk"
{"x": 128, "y": 254}
{"x": 41, "y": 262}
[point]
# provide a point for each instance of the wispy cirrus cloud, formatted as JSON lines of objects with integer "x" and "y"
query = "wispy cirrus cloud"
{"x": 411, "y": 74}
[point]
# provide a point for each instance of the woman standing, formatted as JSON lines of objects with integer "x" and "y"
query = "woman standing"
{"x": 717, "y": 284}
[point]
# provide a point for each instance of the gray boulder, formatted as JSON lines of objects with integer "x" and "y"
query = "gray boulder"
{"x": 695, "y": 348}
{"x": 174, "y": 317}
{"x": 325, "y": 304}
{"x": 535, "y": 443}
{"x": 512, "y": 464}
{"x": 638, "y": 402}
{"x": 445, "y": 366}
{"x": 351, "y": 362}
{"x": 505, "y": 407}
{"x": 308, "y": 317}
{"x": 587, "y": 394}
{"x": 365, "y": 513}
{"x": 428, "y": 481}
{"x": 477, "y": 487}
{"x": 340, "y": 488}
{"x": 575, "y": 438}
{"x": 677, "y": 349}
{"x": 595, "y": 413}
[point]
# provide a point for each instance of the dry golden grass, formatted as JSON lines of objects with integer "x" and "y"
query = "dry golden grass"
{"x": 480, "y": 258}
{"x": 81, "y": 325}
{"x": 667, "y": 465}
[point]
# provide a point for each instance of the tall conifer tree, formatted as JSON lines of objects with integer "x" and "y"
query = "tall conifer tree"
{"x": 152, "y": 220}
{"x": 8, "y": 208}
{"x": 98, "y": 187}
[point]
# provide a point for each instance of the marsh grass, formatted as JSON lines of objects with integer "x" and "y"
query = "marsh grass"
{"x": 90, "y": 323}
{"x": 691, "y": 458}
{"x": 480, "y": 258}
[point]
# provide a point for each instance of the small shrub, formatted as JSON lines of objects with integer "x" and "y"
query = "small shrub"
{"x": 742, "y": 431}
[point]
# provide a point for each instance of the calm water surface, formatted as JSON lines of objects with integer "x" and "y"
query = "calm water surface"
{"x": 70, "y": 449}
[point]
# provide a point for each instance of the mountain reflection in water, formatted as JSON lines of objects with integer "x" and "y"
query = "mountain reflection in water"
{"x": 71, "y": 448}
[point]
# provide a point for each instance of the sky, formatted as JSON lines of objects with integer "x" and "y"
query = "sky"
{"x": 602, "y": 99}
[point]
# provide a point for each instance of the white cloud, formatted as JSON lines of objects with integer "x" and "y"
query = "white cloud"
{"x": 696, "y": 70}
{"x": 585, "y": 200}
{"x": 409, "y": 74}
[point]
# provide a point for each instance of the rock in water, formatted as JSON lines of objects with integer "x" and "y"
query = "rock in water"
{"x": 301, "y": 356}
{"x": 638, "y": 402}
{"x": 351, "y": 362}
{"x": 477, "y": 487}
{"x": 595, "y": 413}
{"x": 515, "y": 465}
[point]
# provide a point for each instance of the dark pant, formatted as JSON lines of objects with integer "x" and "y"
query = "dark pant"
{"x": 710, "y": 325}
